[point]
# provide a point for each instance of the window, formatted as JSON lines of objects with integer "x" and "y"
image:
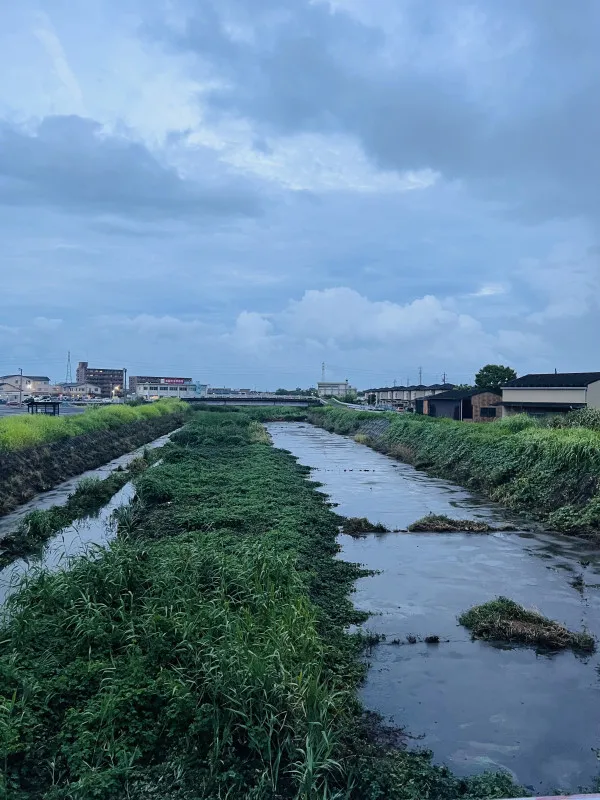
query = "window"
{"x": 488, "y": 412}
{"x": 164, "y": 388}
{"x": 173, "y": 388}
{"x": 152, "y": 388}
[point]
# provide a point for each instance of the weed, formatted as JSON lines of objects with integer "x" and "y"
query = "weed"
{"x": 357, "y": 525}
{"x": 440, "y": 523}
{"x": 504, "y": 620}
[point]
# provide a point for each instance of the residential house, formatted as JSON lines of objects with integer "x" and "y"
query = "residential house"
{"x": 474, "y": 405}
{"x": 78, "y": 390}
{"x": 14, "y": 386}
{"x": 551, "y": 393}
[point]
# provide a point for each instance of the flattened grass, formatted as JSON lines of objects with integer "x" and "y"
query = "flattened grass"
{"x": 503, "y": 620}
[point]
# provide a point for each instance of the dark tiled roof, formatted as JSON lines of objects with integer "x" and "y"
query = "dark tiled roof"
{"x": 551, "y": 379}
{"x": 458, "y": 394}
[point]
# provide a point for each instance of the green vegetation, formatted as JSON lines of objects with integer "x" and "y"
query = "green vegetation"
{"x": 357, "y": 525}
{"x": 440, "y": 523}
{"x": 204, "y": 654}
{"x": 90, "y": 495}
{"x": 504, "y": 620}
{"x": 553, "y": 473}
{"x": 492, "y": 376}
{"x": 29, "y": 430}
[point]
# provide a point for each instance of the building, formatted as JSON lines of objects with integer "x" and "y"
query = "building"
{"x": 154, "y": 387}
{"x": 474, "y": 405}
{"x": 334, "y": 389}
{"x": 402, "y": 396}
{"x": 79, "y": 390}
{"x": 110, "y": 381}
{"x": 14, "y": 386}
{"x": 551, "y": 393}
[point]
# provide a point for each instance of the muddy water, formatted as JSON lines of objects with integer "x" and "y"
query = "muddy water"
{"x": 77, "y": 538}
{"x": 475, "y": 705}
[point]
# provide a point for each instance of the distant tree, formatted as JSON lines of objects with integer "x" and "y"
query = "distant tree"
{"x": 463, "y": 387}
{"x": 492, "y": 376}
{"x": 306, "y": 392}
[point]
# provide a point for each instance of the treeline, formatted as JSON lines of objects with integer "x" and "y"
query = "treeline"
{"x": 551, "y": 470}
{"x": 204, "y": 654}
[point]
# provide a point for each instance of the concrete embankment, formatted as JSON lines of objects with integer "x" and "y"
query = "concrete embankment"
{"x": 27, "y": 472}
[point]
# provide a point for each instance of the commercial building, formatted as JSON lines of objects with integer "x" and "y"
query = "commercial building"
{"x": 334, "y": 389}
{"x": 154, "y": 387}
{"x": 473, "y": 405}
{"x": 551, "y": 393}
{"x": 14, "y": 386}
{"x": 110, "y": 381}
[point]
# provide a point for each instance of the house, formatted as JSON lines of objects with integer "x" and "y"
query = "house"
{"x": 551, "y": 393}
{"x": 79, "y": 389}
{"x": 13, "y": 387}
{"x": 334, "y": 388}
{"x": 474, "y": 405}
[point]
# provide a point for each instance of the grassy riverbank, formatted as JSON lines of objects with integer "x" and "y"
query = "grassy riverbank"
{"x": 204, "y": 654}
{"x": 30, "y": 430}
{"x": 553, "y": 473}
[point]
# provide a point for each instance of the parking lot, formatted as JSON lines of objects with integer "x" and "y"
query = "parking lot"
{"x": 11, "y": 411}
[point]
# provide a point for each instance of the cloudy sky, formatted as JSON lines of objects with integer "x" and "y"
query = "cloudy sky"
{"x": 239, "y": 190}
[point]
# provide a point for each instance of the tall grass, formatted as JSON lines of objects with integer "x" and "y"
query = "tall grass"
{"x": 551, "y": 472}
{"x": 29, "y": 430}
{"x": 204, "y": 654}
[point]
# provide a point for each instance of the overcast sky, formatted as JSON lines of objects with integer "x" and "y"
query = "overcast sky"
{"x": 239, "y": 190}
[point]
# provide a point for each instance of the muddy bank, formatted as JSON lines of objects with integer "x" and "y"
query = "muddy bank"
{"x": 25, "y": 473}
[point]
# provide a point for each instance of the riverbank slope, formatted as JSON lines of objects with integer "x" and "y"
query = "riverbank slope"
{"x": 65, "y": 447}
{"x": 551, "y": 473}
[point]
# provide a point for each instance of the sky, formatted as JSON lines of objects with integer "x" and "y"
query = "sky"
{"x": 239, "y": 191}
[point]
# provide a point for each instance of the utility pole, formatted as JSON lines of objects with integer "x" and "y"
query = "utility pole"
{"x": 420, "y": 376}
{"x": 21, "y": 386}
{"x": 444, "y": 378}
{"x": 323, "y": 372}
{"x": 394, "y": 383}
{"x": 69, "y": 375}
{"x": 125, "y": 383}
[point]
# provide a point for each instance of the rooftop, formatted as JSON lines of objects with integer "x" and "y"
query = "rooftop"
{"x": 566, "y": 380}
{"x": 27, "y": 377}
{"x": 458, "y": 394}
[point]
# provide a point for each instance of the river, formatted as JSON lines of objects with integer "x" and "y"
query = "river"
{"x": 477, "y": 706}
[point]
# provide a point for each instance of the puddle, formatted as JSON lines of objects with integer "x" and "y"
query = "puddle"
{"x": 475, "y": 705}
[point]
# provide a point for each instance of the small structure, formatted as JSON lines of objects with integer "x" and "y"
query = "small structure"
{"x": 44, "y": 407}
{"x": 551, "y": 393}
{"x": 79, "y": 390}
{"x": 474, "y": 405}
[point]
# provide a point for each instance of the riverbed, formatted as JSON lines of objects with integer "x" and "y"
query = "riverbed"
{"x": 476, "y": 705}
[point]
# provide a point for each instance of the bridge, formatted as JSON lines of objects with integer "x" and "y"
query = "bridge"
{"x": 258, "y": 399}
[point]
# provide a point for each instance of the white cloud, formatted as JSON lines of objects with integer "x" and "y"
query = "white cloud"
{"x": 568, "y": 284}
{"x": 489, "y": 290}
{"x": 164, "y": 327}
{"x": 47, "y": 324}
{"x": 47, "y": 36}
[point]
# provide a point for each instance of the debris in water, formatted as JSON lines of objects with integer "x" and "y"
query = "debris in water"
{"x": 355, "y": 526}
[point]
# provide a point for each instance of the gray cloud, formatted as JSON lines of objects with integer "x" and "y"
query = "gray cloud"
{"x": 509, "y": 107}
{"x": 70, "y": 163}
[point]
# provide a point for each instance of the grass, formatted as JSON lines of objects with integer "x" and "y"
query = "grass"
{"x": 205, "y": 653}
{"x": 357, "y": 525}
{"x": 30, "y": 430}
{"x": 506, "y": 621}
{"x": 90, "y": 495}
{"x": 440, "y": 523}
{"x": 553, "y": 473}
